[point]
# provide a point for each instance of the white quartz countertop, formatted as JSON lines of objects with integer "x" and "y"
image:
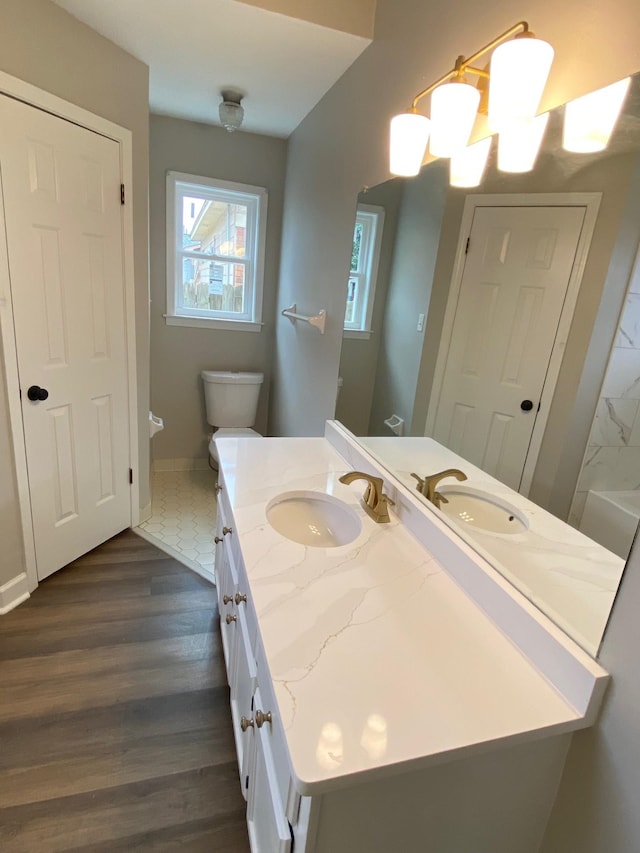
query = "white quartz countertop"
{"x": 378, "y": 659}
{"x": 568, "y": 576}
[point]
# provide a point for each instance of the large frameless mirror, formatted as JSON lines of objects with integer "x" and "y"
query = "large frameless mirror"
{"x": 496, "y": 331}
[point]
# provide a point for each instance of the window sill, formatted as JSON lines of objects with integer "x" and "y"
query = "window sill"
{"x": 357, "y": 334}
{"x": 206, "y": 323}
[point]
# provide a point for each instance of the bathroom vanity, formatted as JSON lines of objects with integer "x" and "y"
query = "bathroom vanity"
{"x": 385, "y": 695}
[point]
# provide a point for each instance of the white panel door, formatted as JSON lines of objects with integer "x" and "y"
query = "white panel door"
{"x": 513, "y": 288}
{"x": 61, "y": 193}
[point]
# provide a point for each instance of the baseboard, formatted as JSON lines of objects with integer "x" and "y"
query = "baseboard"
{"x": 14, "y": 593}
{"x": 177, "y": 555}
{"x": 145, "y": 513}
{"x": 179, "y": 465}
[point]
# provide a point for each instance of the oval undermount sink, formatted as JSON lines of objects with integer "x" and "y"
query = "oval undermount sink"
{"x": 313, "y": 518}
{"x": 482, "y": 510}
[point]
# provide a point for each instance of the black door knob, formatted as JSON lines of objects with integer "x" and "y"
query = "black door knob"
{"x": 526, "y": 405}
{"x": 36, "y": 393}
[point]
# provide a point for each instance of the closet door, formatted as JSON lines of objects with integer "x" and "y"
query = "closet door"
{"x": 63, "y": 222}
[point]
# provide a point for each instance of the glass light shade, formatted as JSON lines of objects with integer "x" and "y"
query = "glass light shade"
{"x": 517, "y": 77}
{"x": 453, "y": 113}
{"x": 408, "y": 139}
{"x": 467, "y": 166}
{"x": 589, "y": 121}
{"x": 231, "y": 115}
{"x": 519, "y": 143}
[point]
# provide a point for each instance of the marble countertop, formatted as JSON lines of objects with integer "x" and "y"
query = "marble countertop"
{"x": 377, "y": 656}
{"x": 568, "y": 576}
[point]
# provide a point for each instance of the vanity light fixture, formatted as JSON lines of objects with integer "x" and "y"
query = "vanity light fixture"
{"x": 466, "y": 168}
{"x": 453, "y": 113}
{"x": 409, "y": 134}
{"x": 589, "y": 120}
{"x": 515, "y": 82}
{"x": 518, "y": 72}
{"x": 519, "y": 144}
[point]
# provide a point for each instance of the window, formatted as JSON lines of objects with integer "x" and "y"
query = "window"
{"x": 215, "y": 252}
{"x": 361, "y": 287}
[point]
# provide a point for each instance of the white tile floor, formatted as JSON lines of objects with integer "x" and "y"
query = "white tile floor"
{"x": 183, "y": 517}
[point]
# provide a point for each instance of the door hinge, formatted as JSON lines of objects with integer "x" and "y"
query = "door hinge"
{"x": 121, "y": 193}
{"x": 130, "y": 476}
{"x": 466, "y": 248}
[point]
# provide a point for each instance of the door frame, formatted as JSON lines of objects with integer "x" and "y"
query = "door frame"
{"x": 591, "y": 203}
{"x": 40, "y": 99}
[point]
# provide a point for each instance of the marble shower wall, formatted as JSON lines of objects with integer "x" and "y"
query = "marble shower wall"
{"x": 612, "y": 460}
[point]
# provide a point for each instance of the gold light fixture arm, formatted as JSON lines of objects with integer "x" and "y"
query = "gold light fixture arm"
{"x": 463, "y": 65}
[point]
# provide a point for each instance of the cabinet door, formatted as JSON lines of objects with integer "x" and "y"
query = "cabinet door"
{"x": 269, "y": 830}
{"x": 242, "y": 683}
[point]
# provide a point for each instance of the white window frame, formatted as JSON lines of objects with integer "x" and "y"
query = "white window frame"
{"x": 371, "y": 217}
{"x": 180, "y": 184}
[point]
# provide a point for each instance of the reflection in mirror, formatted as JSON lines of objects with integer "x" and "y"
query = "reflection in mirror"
{"x": 505, "y": 342}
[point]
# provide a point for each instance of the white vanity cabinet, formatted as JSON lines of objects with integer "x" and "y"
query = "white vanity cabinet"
{"x": 264, "y": 773}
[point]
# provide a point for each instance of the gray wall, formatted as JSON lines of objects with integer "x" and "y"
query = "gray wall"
{"x": 45, "y": 46}
{"x": 179, "y": 353}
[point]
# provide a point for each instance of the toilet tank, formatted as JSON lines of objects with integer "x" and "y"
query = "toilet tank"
{"x": 231, "y": 398}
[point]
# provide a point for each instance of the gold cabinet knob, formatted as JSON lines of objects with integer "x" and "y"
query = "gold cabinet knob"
{"x": 263, "y": 717}
{"x": 218, "y": 540}
{"x": 240, "y": 597}
{"x": 227, "y": 599}
{"x": 226, "y": 530}
{"x": 246, "y": 723}
{"x": 230, "y": 617}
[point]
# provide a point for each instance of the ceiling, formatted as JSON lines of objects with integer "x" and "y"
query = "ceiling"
{"x": 195, "y": 48}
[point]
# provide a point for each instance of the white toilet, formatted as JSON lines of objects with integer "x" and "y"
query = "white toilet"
{"x": 232, "y": 403}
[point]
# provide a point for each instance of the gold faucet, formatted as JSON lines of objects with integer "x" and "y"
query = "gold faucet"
{"x": 427, "y": 485}
{"x": 374, "y": 501}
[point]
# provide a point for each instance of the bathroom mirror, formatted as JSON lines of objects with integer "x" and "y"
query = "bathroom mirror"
{"x": 438, "y": 249}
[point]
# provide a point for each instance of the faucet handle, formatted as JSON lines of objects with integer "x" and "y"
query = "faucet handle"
{"x": 421, "y": 481}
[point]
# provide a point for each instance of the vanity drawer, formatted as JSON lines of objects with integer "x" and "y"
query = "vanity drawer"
{"x": 274, "y": 734}
{"x": 225, "y": 515}
{"x": 245, "y": 604}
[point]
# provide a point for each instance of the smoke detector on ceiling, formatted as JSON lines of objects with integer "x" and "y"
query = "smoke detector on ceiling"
{"x": 230, "y": 110}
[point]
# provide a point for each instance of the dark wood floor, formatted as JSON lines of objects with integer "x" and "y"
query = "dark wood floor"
{"x": 115, "y": 728}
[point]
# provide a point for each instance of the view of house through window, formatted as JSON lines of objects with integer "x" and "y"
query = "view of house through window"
{"x": 215, "y": 239}
{"x": 367, "y": 236}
